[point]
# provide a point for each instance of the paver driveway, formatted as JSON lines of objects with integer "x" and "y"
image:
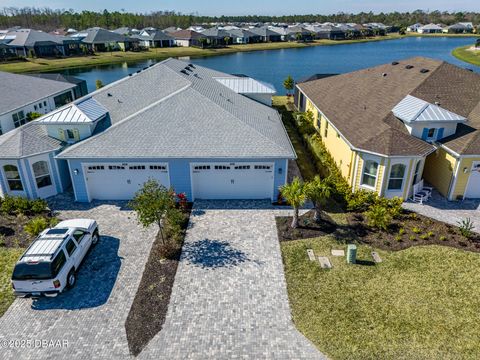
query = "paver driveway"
{"x": 229, "y": 299}
{"x": 91, "y": 317}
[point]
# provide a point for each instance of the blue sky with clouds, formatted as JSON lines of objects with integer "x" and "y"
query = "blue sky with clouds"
{"x": 246, "y": 7}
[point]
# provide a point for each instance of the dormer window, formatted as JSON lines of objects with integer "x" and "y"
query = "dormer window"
{"x": 70, "y": 134}
{"x": 431, "y": 133}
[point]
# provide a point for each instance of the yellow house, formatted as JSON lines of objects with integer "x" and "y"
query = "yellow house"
{"x": 391, "y": 126}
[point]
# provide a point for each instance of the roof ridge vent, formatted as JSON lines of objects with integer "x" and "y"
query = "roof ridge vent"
{"x": 408, "y": 67}
{"x": 424, "y": 71}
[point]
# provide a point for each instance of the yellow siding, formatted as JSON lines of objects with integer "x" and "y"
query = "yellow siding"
{"x": 438, "y": 170}
{"x": 310, "y": 107}
{"x": 381, "y": 172}
{"x": 462, "y": 178}
{"x": 359, "y": 173}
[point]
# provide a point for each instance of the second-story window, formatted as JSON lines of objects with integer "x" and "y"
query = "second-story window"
{"x": 19, "y": 119}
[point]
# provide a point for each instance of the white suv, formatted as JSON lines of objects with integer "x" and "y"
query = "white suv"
{"x": 50, "y": 263}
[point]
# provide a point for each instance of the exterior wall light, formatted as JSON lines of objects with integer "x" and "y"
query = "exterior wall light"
{"x": 75, "y": 171}
{"x": 465, "y": 170}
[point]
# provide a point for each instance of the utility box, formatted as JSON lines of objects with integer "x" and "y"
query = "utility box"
{"x": 351, "y": 254}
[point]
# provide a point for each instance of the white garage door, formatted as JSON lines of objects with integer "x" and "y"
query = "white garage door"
{"x": 121, "y": 181}
{"x": 473, "y": 186}
{"x": 232, "y": 181}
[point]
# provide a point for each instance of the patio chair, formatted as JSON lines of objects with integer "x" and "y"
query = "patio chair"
{"x": 421, "y": 193}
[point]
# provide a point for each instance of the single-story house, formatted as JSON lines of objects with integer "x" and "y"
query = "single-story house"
{"x": 217, "y": 37}
{"x": 29, "y": 42}
{"x": 188, "y": 38}
{"x": 243, "y": 36}
{"x": 266, "y": 34}
{"x": 155, "y": 39}
{"x": 430, "y": 29}
{"x": 98, "y": 39}
{"x": 457, "y": 29}
{"x": 330, "y": 32}
{"x": 188, "y": 130}
{"x": 414, "y": 27}
{"x": 423, "y": 123}
{"x": 23, "y": 95}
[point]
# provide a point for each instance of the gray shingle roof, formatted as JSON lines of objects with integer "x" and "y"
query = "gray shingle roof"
{"x": 98, "y": 35}
{"x": 186, "y": 116}
{"x": 20, "y": 90}
{"x": 29, "y": 37}
{"x": 27, "y": 140}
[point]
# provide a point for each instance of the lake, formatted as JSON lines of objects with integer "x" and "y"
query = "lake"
{"x": 273, "y": 66}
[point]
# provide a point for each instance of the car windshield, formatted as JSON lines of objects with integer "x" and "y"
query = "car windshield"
{"x": 33, "y": 271}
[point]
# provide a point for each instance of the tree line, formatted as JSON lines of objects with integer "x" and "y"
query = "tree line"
{"x": 50, "y": 19}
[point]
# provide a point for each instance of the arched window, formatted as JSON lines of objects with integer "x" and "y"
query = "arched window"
{"x": 13, "y": 178}
{"x": 397, "y": 173}
{"x": 416, "y": 177}
{"x": 42, "y": 174}
{"x": 370, "y": 172}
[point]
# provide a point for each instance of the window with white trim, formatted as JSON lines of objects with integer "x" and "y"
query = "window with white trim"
{"x": 70, "y": 134}
{"x": 397, "y": 174}
{"x": 19, "y": 119}
{"x": 431, "y": 133}
{"x": 370, "y": 173}
{"x": 42, "y": 174}
{"x": 13, "y": 178}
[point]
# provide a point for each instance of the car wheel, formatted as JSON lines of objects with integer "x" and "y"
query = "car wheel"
{"x": 71, "y": 279}
{"x": 95, "y": 238}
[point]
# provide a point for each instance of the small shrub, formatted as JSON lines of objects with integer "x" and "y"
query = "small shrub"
{"x": 379, "y": 217}
{"x": 401, "y": 231}
{"x": 398, "y": 238}
{"x": 2, "y": 240}
{"x": 386, "y": 243}
{"x": 412, "y": 237}
{"x": 430, "y": 234}
{"x": 8, "y": 205}
{"x": 22, "y": 205}
{"x": 466, "y": 226}
{"x": 416, "y": 230}
{"x": 394, "y": 205}
{"x": 53, "y": 222}
{"x": 16, "y": 243}
{"x": 424, "y": 236}
{"x": 413, "y": 216}
{"x": 36, "y": 226}
{"x": 443, "y": 238}
{"x": 361, "y": 200}
{"x": 38, "y": 206}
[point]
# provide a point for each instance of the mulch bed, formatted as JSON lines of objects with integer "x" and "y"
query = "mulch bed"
{"x": 307, "y": 227}
{"x": 12, "y": 229}
{"x": 416, "y": 228}
{"x": 149, "y": 308}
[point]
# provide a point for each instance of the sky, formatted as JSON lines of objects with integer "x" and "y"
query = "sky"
{"x": 252, "y": 7}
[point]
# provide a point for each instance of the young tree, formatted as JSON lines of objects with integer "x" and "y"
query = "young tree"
{"x": 227, "y": 40}
{"x": 98, "y": 84}
{"x": 294, "y": 194}
{"x": 288, "y": 84}
{"x": 154, "y": 204}
{"x": 318, "y": 191}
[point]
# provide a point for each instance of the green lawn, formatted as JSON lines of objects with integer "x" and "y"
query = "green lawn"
{"x": 8, "y": 258}
{"x": 420, "y": 303}
{"x": 45, "y": 65}
{"x": 472, "y": 57}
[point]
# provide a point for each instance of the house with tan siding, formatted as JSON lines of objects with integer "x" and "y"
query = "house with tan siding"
{"x": 390, "y": 126}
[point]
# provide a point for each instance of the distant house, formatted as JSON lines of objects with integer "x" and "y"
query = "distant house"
{"x": 171, "y": 29}
{"x": 266, "y": 34}
{"x": 22, "y": 95}
{"x": 330, "y": 32}
{"x": 6, "y": 51}
{"x": 155, "y": 39}
{"x": 298, "y": 33}
{"x": 430, "y": 29}
{"x": 98, "y": 39}
{"x": 414, "y": 27}
{"x": 458, "y": 29}
{"x": 188, "y": 38}
{"x": 29, "y": 42}
{"x": 126, "y": 31}
{"x": 242, "y": 36}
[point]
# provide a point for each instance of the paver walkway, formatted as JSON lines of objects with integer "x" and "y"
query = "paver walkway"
{"x": 229, "y": 298}
{"x": 450, "y": 212}
{"x": 91, "y": 317}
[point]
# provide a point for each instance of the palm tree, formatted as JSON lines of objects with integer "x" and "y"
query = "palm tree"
{"x": 294, "y": 194}
{"x": 318, "y": 191}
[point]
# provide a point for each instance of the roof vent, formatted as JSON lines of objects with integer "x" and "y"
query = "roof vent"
{"x": 192, "y": 66}
{"x": 408, "y": 67}
{"x": 184, "y": 72}
{"x": 139, "y": 71}
{"x": 424, "y": 71}
{"x": 109, "y": 95}
{"x": 187, "y": 68}
{"x": 437, "y": 103}
{"x": 395, "y": 63}
{"x": 384, "y": 74}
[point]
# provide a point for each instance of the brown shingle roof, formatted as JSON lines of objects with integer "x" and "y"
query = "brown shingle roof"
{"x": 359, "y": 104}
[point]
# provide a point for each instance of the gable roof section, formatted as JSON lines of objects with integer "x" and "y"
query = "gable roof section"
{"x": 30, "y": 37}
{"x": 18, "y": 91}
{"x": 27, "y": 140}
{"x": 246, "y": 85}
{"x": 98, "y": 35}
{"x": 413, "y": 109}
{"x": 187, "y": 115}
{"x": 86, "y": 110}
